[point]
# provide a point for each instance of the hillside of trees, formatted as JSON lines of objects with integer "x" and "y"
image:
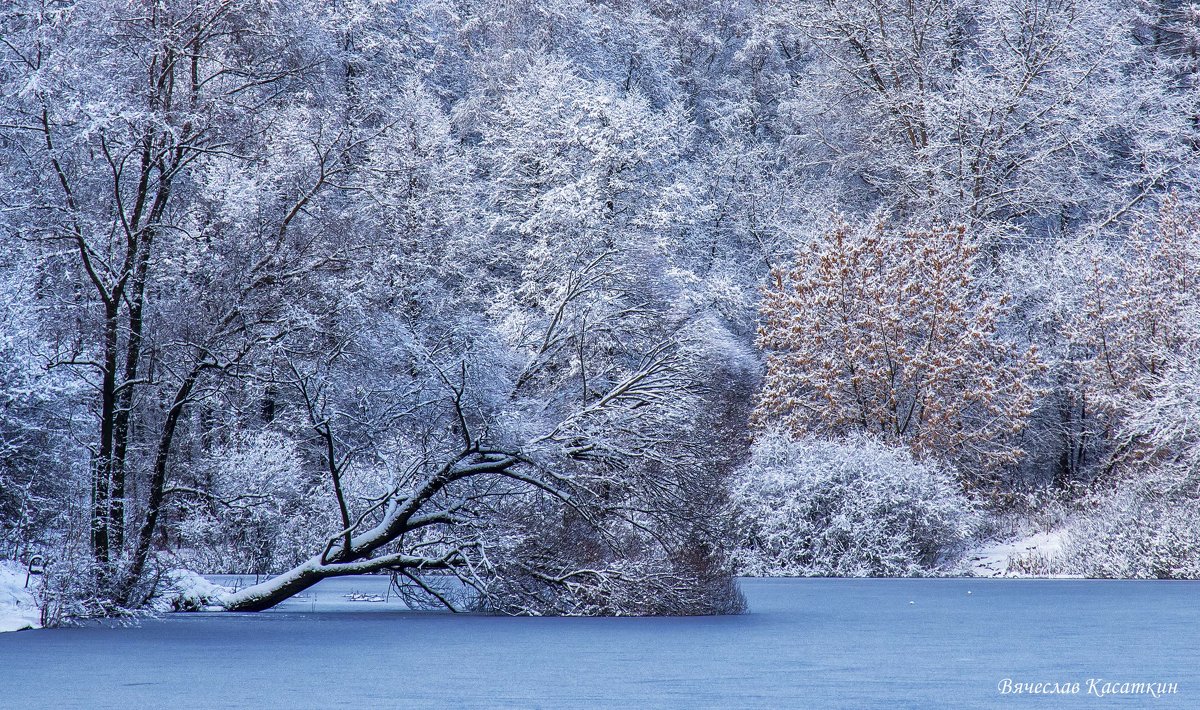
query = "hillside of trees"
{"x": 584, "y": 307}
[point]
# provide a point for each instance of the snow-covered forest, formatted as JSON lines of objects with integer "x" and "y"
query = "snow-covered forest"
{"x": 586, "y": 307}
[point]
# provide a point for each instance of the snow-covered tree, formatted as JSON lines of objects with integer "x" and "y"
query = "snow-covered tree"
{"x": 166, "y": 180}
{"x": 1139, "y": 310}
{"x": 40, "y": 465}
{"x": 890, "y": 333}
{"x": 1004, "y": 115}
{"x": 535, "y": 410}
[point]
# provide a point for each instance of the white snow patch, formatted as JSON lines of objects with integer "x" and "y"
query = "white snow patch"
{"x": 1020, "y": 557}
{"x": 359, "y": 597}
{"x": 184, "y": 590}
{"x": 18, "y": 609}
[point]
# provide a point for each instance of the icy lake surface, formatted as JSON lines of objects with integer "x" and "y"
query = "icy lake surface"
{"x": 806, "y": 644}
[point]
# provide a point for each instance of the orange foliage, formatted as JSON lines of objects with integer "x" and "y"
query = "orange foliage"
{"x": 891, "y": 334}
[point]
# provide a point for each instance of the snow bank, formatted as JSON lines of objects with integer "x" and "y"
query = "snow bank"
{"x": 184, "y": 590}
{"x": 18, "y": 610}
{"x": 1030, "y": 556}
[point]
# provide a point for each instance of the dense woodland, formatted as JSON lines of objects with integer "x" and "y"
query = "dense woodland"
{"x": 582, "y": 307}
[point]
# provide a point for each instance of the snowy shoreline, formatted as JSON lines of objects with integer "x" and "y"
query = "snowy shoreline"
{"x": 189, "y": 591}
{"x": 18, "y": 609}
{"x": 1016, "y": 557}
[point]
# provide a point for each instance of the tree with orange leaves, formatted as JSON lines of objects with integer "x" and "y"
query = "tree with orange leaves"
{"x": 891, "y": 333}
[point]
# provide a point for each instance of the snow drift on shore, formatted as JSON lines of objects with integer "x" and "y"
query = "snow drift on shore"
{"x": 18, "y": 610}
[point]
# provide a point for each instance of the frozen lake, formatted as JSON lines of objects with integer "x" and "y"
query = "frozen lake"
{"x": 814, "y": 643}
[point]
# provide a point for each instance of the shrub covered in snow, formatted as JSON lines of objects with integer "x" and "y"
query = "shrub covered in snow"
{"x": 1138, "y": 532}
{"x": 69, "y": 590}
{"x": 808, "y": 507}
{"x": 1147, "y": 526}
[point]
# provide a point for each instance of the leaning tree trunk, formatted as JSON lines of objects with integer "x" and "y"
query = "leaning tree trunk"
{"x": 348, "y": 554}
{"x": 269, "y": 593}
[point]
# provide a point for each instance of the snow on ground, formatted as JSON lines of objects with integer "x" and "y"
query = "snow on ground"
{"x": 17, "y": 608}
{"x": 1028, "y": 556}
